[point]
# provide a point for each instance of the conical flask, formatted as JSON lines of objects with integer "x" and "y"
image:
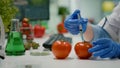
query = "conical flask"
{"x": 15, "y": 45}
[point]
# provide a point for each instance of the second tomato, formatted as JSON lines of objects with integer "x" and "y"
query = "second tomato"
{"x": 81, "y": 50}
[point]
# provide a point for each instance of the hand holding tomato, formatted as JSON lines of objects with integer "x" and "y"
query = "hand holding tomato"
{"x": 81, "y": 50}
{"x": 61, "y": 49}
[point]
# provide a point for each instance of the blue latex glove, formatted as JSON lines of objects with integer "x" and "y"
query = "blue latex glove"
{"x": 105, "y": 48}
{"x": 72, "y": 23}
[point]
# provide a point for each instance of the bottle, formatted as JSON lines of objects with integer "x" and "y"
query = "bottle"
{"x": 15, "y": 44}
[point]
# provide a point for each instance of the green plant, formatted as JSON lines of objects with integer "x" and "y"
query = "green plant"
{"x": 63, "y": 11}
{"x": 7, "y": 12}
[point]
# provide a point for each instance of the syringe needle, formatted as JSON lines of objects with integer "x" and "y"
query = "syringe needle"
{"x": 81, "y": 33}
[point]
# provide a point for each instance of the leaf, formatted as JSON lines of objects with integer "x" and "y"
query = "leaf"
{"x": 7, "y": 11}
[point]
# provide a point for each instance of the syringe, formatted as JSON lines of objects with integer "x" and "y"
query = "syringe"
{"x": 81, "y": 33}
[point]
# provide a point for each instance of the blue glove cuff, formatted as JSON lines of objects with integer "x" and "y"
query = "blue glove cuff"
{"x": 118, "y": 52}
{"x": 117, "y": 48}
{"x": 84, "y": 28}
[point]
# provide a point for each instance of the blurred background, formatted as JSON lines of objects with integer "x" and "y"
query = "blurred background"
{"x": 49, "y": 13}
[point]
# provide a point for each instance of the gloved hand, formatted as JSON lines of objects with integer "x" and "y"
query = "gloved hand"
{"x": 72, "y": 23}
{"x": 105, "y": 48}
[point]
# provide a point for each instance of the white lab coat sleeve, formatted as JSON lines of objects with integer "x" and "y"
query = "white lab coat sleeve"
{"x": 114, "y": 18}
{"x": 110, "y": 29}
{"x": 112, "y": 25}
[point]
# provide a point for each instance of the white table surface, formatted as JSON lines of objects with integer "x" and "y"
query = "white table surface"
{"x": 49, "y": 61}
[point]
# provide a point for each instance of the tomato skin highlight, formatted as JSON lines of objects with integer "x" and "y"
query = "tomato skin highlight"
{"x": 81, "y": 50}
{"x": 61, "y": 49}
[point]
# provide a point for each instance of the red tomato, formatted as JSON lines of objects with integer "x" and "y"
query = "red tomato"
{"x": 81, "y": 50}
{"x": 26, "y": 30}
{"x": 39, "y": 31}
{"x": 25, "y": 24}
{"x": 61, "y": 49}
{"x": 61, "y": 29}
{"x": 25, "y": 20}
